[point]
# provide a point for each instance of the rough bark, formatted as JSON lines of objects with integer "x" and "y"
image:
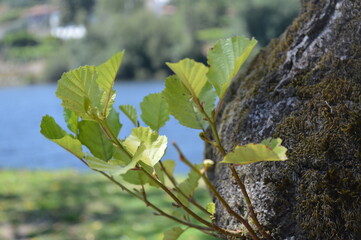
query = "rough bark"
{"x": 305, "y": 88}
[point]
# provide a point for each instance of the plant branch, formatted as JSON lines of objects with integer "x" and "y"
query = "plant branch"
{"x": 248, "y": 202}
{"x": 175, "y": 184}
{"x": 161, "y": 212}
{"x": 105, "y": 127}
{"x": 189, "y": 211}
{"x": 207, "y": 230}
{"x": 240, "y": 183}
{"x": 216, "y": 193}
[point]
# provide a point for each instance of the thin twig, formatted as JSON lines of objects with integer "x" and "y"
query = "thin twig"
{"x": 240, "y": 184}
{"x": 175, "y": 184}
{"x": 216, "y": 193}
{"x": 249, "y": 204}
{"x": 188, "y": 210}
{"x": 161, "y": 212}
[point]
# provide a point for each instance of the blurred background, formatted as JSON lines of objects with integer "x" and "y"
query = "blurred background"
{"x": 44, "y": 192}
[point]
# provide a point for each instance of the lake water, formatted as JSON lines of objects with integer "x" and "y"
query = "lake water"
{"x": 22, "y": 145}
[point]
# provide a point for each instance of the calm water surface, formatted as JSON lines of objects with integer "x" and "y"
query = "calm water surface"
{"x": 22, "y": 145}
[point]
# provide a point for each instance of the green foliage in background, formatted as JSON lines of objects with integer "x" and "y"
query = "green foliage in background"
{"x": 76, "y": 11}
{"x": 24, "y": 46}
{"x": 23, "y": 3}
{"x": 152, "y": 39}
{"x": 187, "y": 29}
{"x": 58, "y": 205}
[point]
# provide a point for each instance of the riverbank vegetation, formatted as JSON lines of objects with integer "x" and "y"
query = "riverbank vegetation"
{"x": 79, "y": 206}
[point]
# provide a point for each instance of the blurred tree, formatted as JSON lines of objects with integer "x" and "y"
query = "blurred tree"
{"x": 264, "y": 20}
{"x": 76, "y": 11}
{"x": 109, "y": 7}
{"x": 202, "y": 14}
{"x": 151, "y": 39}
{"x": 23, "y": 3}
{"x": 19, "y": 39}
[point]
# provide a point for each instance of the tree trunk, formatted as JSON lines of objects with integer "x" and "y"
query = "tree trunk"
{"x": 305, "y": 88}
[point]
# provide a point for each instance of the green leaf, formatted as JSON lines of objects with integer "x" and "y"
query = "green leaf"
{"x": 120, "y": 157}
{"x": 173, "y": 234}
{"x": 51, "y": 130}
{"x": 225, "y": 60}
{"x": 189, "y": 185}
{"x": 157, "y": 169}
{"x": 121, "y": 162}
{"x": 207, "y": 98}
{"x": 88, "y": 90}
{"x": 111, "y": 166}
{"x": 169, "y": 166}
{"x": 94, "y": 138}
{"x": 268, "y": 150}
{"x": 80, "y": 92}
{"x": 155, "y": 111}
{"x": 275, "y": 145}
{"x": 155, "y": 145}
{"x": 181, "y": 105}
{"x": 193, "y": 74}
{"x": 138, "y": 177}
{"x": 114, "y": 122}
{"x": 211, "y": 208}
{"x": 130, "y": 112}
{"x": 71, "y": 120}
{"x": 107, "y": 73}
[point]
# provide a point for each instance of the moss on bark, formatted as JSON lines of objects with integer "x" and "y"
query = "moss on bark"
{"x": 305, "y": 87}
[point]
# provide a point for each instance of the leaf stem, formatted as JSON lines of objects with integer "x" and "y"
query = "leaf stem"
{"x": 249, "y": 204}
{"x": 240, "y": 184}
{"x": 105, "y": 127}
{"x": 175, "y": 184}
{"x": 188, "y": 210}
{"x": 216, "y": 193}
{"x": 161, "y": 212}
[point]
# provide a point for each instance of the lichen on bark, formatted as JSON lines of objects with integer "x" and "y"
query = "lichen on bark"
{"x": 304, "y": 87}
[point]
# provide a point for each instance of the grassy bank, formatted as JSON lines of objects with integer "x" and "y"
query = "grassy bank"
{"x": 68, "y": 205}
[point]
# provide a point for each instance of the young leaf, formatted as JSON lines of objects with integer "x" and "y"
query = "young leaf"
{"x": 155, "y": 111}
{"x": 211, "y": 208}
{"x": 169, "y": 166}
{"x": 268, "y": 150}
{"x": 51, "y": 130}
{"x": 189, "y": 185}
{"x": 130, "y": 112}
{"x": 225, "y": 60}
{"x": 80, "y": 92}
{"x": 181, "y": 105}
{"x": 107, "y": 73}
{"x": 191, "y": 73}
{"x": 71, "y": 120}
{"x": 111, "y": 166}
{"x": 207, "y": 97}
{"x": 158, "y": 170}
{"x": 138, "y": 177}
{"x": 120, "y": 157}
{"x": 114, "y": 122}
{"x": 119, "y": 164}
{"x": 92, "y": 136}
{"x": 173, "y": 234}
{"x": 155, "y": 145}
